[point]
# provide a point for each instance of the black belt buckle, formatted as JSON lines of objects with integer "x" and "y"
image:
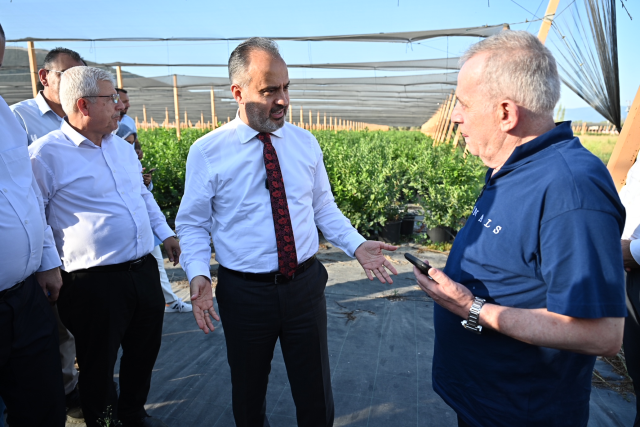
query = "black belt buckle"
{"x": 133, "y": 265}
{"x": 281, "y": 279}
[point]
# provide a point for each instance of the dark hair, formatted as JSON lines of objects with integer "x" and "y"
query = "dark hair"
{"x": 239, "y": 59}
{"x": 2, "y": 36}
{"x": 119, "y": 89}
{"x": 54, "y": 53}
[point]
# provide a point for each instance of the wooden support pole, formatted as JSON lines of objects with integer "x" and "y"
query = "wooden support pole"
{"x": 626, "y": 150}
{"x": 325, "y": 121}
{"x": 213, "y": 108}
{"x": 176, "y": 104}
{"x": 456, "y": 138}
{"x": 144, "y": 114}
{"x": 290, "y": 114}
{"x": 548, "y": 20}
{"x": 301, "y": 118}
{"x": 33, "y": 69}
{"x": 119, "y": 77}
{"x": 310, "y": 120}
{"x": 453, "y": 105}
{"x": 186, "y": 119}
{"x": 166, "y": 117}
{"x": 443, "y": 113}
{"x": 201, "y": 120}
{"x": 445, "y": 122}
{"x": 440, "y": 114}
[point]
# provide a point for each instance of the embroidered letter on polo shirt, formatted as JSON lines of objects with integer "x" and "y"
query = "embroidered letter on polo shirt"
{"x": 487, "y": 224}
{"x": 481, "y": 216}
{"x": 497, "y": 230}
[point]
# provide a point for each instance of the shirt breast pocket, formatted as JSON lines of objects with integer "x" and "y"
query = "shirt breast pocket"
{"x": 16, "y": 161}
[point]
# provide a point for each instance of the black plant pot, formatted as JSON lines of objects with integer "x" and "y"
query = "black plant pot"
{"x": 391, "y": 231}
{"x": 407, "y": 225}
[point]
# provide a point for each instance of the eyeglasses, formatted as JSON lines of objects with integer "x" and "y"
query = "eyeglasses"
{"x": 115, "y": 97}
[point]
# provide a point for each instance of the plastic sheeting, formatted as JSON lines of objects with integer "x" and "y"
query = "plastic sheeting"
{"x": 399, "y": 37}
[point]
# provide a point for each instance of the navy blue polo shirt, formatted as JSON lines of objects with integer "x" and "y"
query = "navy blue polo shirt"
{"x": 544, "y": 233}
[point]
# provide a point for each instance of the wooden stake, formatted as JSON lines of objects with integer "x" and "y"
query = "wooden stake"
{"x": 310, "y": 119}
{"x": 144, "y": 114}
{"x": 201, "y": 119}
{"x": 626, "y": 150}
{"x": 176, "y": 104}
{"x": 548, "y": 20}
{"x": 166, "y": 117}
{"x": 325, "y": 121}
{"x": 186, "y": 120}
{"x": 301, "y": 118}
{"x": 33, "y": 69}
{"x": 453, "y": 105}
{"x": 119, "y": 77}
{"x": 456, "y": 138}
{"x": 443, "y": 113}
{"x": 290, "y": 114}
{"x": 213, "y": 108}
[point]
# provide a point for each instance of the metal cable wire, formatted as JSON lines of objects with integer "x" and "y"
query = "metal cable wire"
{"x": 588, "y": 57}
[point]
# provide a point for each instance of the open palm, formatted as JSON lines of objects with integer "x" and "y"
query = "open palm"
{"x": 370, "y": 256}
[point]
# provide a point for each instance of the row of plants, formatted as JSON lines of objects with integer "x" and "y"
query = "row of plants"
{"x": 373, "y": 175}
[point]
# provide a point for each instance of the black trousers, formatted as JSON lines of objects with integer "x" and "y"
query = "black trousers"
{"x": 105, "y": 310}
{"x": 632, "y": 335}
{"x": 30, "y": 375}
{"x": 254, "y": 316}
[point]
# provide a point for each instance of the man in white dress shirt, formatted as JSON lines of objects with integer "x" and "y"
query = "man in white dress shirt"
{"x": 126, "y": 120}
{"x": 630, "y": 197}
{"x": 103, "y": 219}
{"x": 43, "y": 114}
{"x": 38, "y": 117}
{"x": 30, "y": 376}
{"x": 258, "y": 185}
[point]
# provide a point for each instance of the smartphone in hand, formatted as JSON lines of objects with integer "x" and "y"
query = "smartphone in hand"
{"x": 422, "y": 266}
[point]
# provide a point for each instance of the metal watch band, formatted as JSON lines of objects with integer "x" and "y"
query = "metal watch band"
{"x": 474, "y": 316}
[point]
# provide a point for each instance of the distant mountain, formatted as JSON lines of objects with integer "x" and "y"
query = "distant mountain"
{"x": 588, "y": 114}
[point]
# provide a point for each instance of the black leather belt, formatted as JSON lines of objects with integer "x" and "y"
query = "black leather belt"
{"x": 11, "y": 289}
{"x": 274, "y": 277}
{"x": 123, "y": 266}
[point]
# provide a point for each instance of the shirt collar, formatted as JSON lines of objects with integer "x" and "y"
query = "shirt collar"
{"x": 76, "y": 137}
{"x": 246, "y": 133}
{"x": 42, "y": 104}
{"x": 522, "y": 153}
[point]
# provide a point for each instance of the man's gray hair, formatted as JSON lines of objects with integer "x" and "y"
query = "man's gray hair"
{"x": 520, "y": 68}
{"x": 239, "y": 59}
{"x": 80, "y": 82}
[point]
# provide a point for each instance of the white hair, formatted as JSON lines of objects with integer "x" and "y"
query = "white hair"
{"x": 79, "y": 82}
{"x": 520, "y": 68}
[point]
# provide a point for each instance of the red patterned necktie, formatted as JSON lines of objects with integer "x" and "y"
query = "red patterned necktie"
{"x": 287, "y": 255}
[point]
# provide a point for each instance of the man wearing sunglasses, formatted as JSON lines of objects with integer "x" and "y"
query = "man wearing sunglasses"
{"x": 103, "y": 220}
{"x": 38, "y": 117}
{"x": 43, "y": 114}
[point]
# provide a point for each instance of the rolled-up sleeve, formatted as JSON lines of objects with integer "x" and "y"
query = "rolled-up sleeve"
{"x": 335, "y": 227}
{"x": 194, "y": 219}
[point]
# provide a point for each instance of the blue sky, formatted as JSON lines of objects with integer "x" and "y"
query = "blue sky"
{"x": 193, "y": 18}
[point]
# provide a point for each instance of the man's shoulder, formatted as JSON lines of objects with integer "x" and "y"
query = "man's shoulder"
{"x": 574, "y": 172}
{"x": 217, "y": 136}
{"x": 28, "y": 104}
{"x": 47, "y": 142}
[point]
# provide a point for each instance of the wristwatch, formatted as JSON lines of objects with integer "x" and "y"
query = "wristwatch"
{"x": 474, "y": 316}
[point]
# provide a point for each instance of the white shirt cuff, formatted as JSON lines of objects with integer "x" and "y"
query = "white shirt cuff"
{"x": 635, "y": 250}
{"x": 352, "y": 243}
{"x": 50, "y": 259}
{"x": 164, "y": 232}
{"x": 197, "y": 268}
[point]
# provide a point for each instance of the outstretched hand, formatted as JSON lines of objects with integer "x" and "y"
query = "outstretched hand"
{"x": 202, "y": 303}
{"x": 370, "y": 256}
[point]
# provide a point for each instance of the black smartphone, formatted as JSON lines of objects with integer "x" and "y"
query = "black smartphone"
{"x": 424, "y": 268}
{"x": 152, "y": 170}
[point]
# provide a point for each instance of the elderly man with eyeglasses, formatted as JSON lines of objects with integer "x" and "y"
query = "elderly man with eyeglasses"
{"x": 103, "y": 220}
